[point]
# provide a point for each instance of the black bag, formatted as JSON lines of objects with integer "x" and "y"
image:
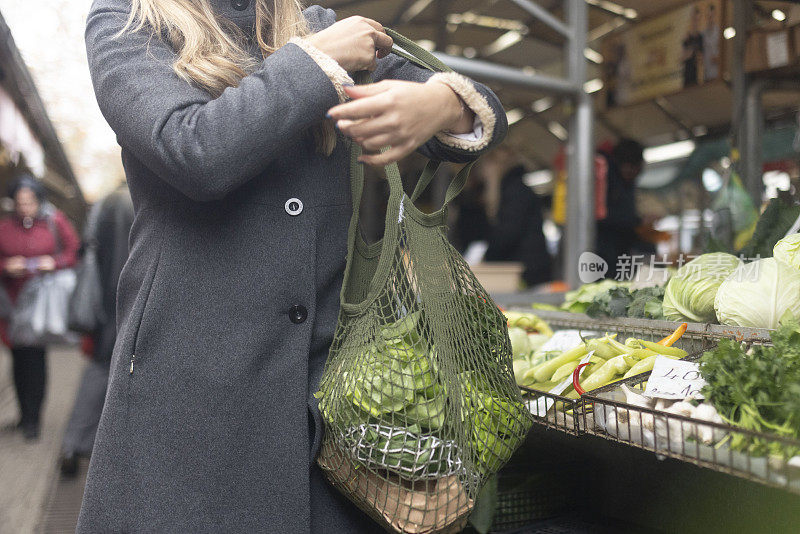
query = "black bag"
{"x": 5, "y": 304}
{"x": 85, "y": 313}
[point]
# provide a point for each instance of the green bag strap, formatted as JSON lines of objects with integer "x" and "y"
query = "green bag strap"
{"x": 425, "y": 179}
{"x": 425, "y": 59}
{"x": 415, "y": 53}
{"x": 453, "y": 190}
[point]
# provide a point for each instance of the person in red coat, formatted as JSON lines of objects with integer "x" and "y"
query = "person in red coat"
{"x": 36, "y": 238}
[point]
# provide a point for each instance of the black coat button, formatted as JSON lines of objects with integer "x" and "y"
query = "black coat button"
{"x": 298, "y": 314}
{"x": 240, "y": 5}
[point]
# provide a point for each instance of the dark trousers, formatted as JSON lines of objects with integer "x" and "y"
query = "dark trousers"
{"x": 30, "y": 377}
{"x": 82, "y": 426}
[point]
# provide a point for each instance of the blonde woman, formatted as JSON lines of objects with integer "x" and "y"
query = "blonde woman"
{"x": 228, "y": 301}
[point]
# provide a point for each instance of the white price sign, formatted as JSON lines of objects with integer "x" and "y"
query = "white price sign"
{"x": 674, "y": 379}
{"x": 563, "y": 340}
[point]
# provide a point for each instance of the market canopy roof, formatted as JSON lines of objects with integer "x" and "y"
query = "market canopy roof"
{"x": 502, "y": 32}
{"x": 16, "y": 81}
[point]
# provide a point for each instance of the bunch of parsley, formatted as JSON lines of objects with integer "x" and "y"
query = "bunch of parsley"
{"x": 757, "y": 390}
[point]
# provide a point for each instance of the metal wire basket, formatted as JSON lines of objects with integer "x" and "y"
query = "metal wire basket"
{"x": 559, "y": 412}
{"x": 704, "y": 443}
{"x": 552, "y": 411}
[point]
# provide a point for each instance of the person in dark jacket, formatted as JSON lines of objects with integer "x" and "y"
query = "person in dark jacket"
{"x": 516, "y": 233}
{"x": 37, "y": 238}
{"x": 229, "y": 299}
{"x": 112, "y": 219}
{"x": 616, "y": 233}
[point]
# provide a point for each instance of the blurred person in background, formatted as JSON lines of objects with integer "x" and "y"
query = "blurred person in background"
{"x": 693, "y": 51}
{"x": 619, "y": 232}
{"x": 36, "y": 238}
{"x": 471, "y": 224}
{"x": 114, "y": 217}
{"x": 515, "y": 215}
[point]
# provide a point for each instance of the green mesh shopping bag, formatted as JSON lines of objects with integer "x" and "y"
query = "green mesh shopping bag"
{"x": 418, "y": 393}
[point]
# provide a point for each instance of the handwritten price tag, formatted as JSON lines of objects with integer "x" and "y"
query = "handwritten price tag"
{"x": 674, "y": 379}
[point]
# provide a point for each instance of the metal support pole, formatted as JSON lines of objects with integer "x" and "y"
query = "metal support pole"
{"x": 476, "y": 68}
{"x": 580, "y": 153}
{"x": 544, "y": 16}
{"x": 747, "y": 116}
{"x": 751, "y": 145}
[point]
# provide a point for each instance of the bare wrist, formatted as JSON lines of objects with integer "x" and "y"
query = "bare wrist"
{"x": 455, "y": 115}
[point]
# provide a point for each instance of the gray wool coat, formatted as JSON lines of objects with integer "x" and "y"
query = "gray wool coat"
{"x": 227, "y": 303}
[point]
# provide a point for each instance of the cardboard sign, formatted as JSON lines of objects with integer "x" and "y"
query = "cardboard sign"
{"x": 674, "y": 379}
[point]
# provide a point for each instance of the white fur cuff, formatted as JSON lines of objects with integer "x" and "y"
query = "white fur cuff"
{"x": 335, "y": 72}
{"x": 476, "y": 102}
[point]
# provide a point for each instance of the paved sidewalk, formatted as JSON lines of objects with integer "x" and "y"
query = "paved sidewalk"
{"x": 28, "y": 471}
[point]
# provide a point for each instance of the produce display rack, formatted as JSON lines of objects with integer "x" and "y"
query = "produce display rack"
{"x": 553, "y": 411}
{"x": 665, "y": 434}
{"x": 557, "y": 411}
{"x": 677, "y": 436}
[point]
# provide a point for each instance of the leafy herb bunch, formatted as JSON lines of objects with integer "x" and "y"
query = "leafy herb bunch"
{"x": 758, "y": 389}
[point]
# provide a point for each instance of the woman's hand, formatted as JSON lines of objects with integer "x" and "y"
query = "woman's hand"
{"x": 352, "y": 42}
{"x": 46, "y": 264}
{"x": 400, "y": 114}
{"x": 15, "y": 266}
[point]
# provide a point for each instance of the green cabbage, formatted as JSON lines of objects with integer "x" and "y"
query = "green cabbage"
{"x": 787, "y": 250}
{"x": 759, "y": 294}
{"x": 690, "y": 292}
{"x": 520, "y": 344}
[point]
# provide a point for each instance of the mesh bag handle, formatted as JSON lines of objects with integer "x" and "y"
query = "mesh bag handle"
{"x": 425, "y": 59}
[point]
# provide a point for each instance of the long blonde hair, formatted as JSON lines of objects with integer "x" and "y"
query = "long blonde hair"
{"x": 210, "y": 50}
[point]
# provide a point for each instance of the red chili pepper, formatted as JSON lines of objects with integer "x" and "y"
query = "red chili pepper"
{"x": 576, "y": 375}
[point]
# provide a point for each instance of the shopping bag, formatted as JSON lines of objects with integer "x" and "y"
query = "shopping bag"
{"x": 5, "y": 304}
{"x": 85, "y": 310}
{"x": 39, "y": 317}
{"x": 418, "y": 394}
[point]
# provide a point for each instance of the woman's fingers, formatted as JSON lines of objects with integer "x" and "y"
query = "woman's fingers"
{"x": 382, "y": 41}
{"x": 376, "y": 143}
{"x": 372, "y": 22}
{"x": 395, "y": 153}
{"x": 360, "y": 109}
{"x": 365, "y": 128}
{"x": 368, "y": 89}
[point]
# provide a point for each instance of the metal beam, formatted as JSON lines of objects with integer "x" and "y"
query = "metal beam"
{"x": 670, "y": 113}
{"x": 580, "y": 150}
{"x": 486, "y": 70}
{"x": 544, "y": 16}
{"x": 401, "y": 12}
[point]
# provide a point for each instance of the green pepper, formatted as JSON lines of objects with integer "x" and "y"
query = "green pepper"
{"x": 667, "y": 351}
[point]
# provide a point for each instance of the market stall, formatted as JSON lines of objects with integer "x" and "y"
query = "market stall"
{"x": 703, "y": 370}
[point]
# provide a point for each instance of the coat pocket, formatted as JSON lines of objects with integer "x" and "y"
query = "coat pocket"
{"x": 139, "y": 313}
